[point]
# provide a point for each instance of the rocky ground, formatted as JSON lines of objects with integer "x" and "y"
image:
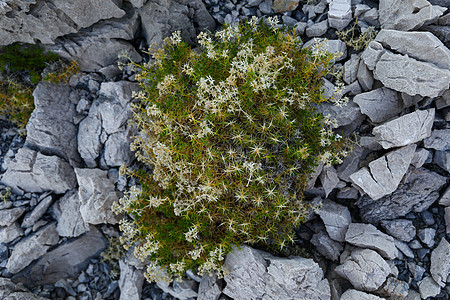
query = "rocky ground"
{"x": 384, "y": 226}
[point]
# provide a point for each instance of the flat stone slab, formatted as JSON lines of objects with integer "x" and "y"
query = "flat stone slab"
{"x": 405, "y": 130}
{"x": 379, "y": 104}
{"x": 384, "y": 174}
{"x": 68, "y": 215}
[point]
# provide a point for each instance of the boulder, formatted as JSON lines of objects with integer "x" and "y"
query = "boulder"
{"x": 440, "y": 262}
{"x": 35, "y": 172}
{"x": 89, "y": 131}
{"x": 336, "y": 218}
{"x": 384, "y": 174}
{"x": 379, "y": 104}
{"x": 339, "y": 13}
{"x": 68, "y": 215}
{"x": 130, "y": 282}
{"x": 117, "y": 149}
{"x": 405, "y": 130}
{"x": 11, "y": 291}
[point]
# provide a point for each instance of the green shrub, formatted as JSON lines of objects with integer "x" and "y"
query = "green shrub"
{"x": 228, "y": 137}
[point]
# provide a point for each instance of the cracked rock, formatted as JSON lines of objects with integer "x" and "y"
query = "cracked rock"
{"x": 67, "y": 212}
{"x": 11, "y": 291}
{"x": 384, "y": 174}
{"x": 329, "y": 179}
{"x": 40, "y": 209}
{"x": 210, "y": 288}
{"x": 336, "y": 218}
{"x": 10, "y": 233}
{"x": 438, "y": 140}
{"x": 405, "y": 130}
{"x": 329, "y": 248}
{"x": 130, "y": 282}
{"x": 9, "y": 216}
{"x": 379, "y": 104}
{"x": 440, "y": 262}
{"x": 401, "y": 229}
{"x": 340, "y": 13}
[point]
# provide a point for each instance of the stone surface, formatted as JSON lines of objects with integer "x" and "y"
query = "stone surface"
{"x": 32, "y": 171}
{"x": 405, "y": 74}
{"x": 336, "y": 218}
{"x": 365, "y": 76}
{"x": 365, "y": 269}
{"x": 11, "y": 291}
{"x": 420, "y": 157}
{"x": 351, "y": 68}
{"x": 9, "y": 216}
{"x": 25, "y": 21}
{"x": 428, "y": 288}
{"x": 407, "y": 15}
{"x": 32, "y": 248}
{"x": 40, "y": 209}
{"x": 438, "y": 140}
{"x": 405, "y": 130}
{"x": 209, "y": 288}
{"x": 401, "y": 229}
{"x": 442, "y": 159}
{"x": 339, "y": 13}
{"x": 426, "y": 235}
{"x": 384, "y": 174}
{"x": 89, "y": 131}
{"x": 329, "y": 248}
{"x": 368, "y": 236}
{"x": 130, "y": 282}
{"x": 416, "y": 271}
{"x": 355, "y": 294}
{"x": 372, "y": 54}
{"x": 348, "y": 118}
{"x": 281, "y": 6}
{"x": 336, "y": 47}
{"x": 254, "y": 273}
{"x": 445, "y": 199}
{"x": 329, "y": 179}
{"x": 440, "y": 262}
{"x": 419, "y": 191}
{"x": 51, "y": 129}
{"x": 68, "y": 215}
{"x": 379, "y": 104}
{"x": 66, "y": 261}
{"x": 117, "y": 149}
{"x": 422, "y": 46}
{"x": 10, "y": 233}
{"x": 316, "y": 29}
{"x": 394, "y": 289}
{"x": 447, "y": 219}
{"x": 404, "y": 248}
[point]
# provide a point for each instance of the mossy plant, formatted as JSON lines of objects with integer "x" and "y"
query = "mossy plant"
{"x": 228, "y": 137}
{"x": 356, "y": 38}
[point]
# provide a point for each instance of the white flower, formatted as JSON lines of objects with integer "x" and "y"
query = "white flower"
{"x": 175, "y": 38}
{"x": 191, "y": 234}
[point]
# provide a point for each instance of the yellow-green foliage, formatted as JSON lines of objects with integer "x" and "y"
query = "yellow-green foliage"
{"x": 352, "y": 37}
{"x": 112, "y": 255}
{"x": 62, "y": 72}
{"x": 230, "y": 136}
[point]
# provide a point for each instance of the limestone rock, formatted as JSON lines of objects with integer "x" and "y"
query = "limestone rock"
{"x": 117, "y": 149}
{"x": 394, "y": 288}
{"x": 384, "y": 174}
{"x": 340, "y": 13}
{"x": 355, "y": 294}
{"x": 351, "y": 68}
{"x": 420, "y": 190}
{"x": 420, "y": 157}
{"x": 32, "y": 248}
{"x": 428, "y": 288}
{"x": 10, "y": 233}
{"x": 329, "y": 248}
{"x": 401, "y": 229}
{"x": 9, "y": 216}
{"x": 439, "y": 140}
{"x": 34, "y": 172}
{"x": 11, "y": 291}
{"x": 365, "y": 76}
{"x": 365, "y": 269}
{"x": 367, "y": 236}
{"x": 442, "y": 159}
{"x": 40, "y": 209}
{"x": 405, "y": 130}
{"x": 130, "y": 282}
{"x": 336, "y": 47}
{"x": 379, "y": 104}
{"x": 329, "y": 179}
{"x": 68, "y": 215}
{"x": 405, "y": 74}
{"x": 372, "y": 54}
{"x": 348, "y": 118}
{"x": 254, "y": 273}
{"x": 209, "y": 288}
{"x": 281, "y": 6}
{"x": 336, "y": 218}
{"x": 89, "y": 131}
{"x": 316, "y": 29}
{"x": 97, "y": 194}
{"x": 407, "y": 15}
{"x": 120, "y": 91}
{"x": 440, "y": 262}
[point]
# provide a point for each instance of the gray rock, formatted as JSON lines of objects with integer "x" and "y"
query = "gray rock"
{"x": 32, "y": 171}
{"x": 405, "y": 130}
{"x": 368, "y": 236}
{"x": 407, "y": 15}
{"x": 445, "y": 199}
{"x": 439, "y": 140}
{"x": 384, "y": 174}
{"x": 281, "y": 6}
{"x": 96, "y": 194}
{"x": 416, "y": 271}
{"x": 394, "y": 289}
{"x": 440, "y": 262}
{"x": 50, "y": 128}
{"x": 68, "y": 215}
{"x": 348, "y": 118}
{"x": 405, "y": 74}
{"x": 137, "y": 3}
{"x": 10, "y": 233}
{"x": 162, "y": 17}
{"x": 447, "y": 219}
{"x": 30, "y": 23}
{"x": 329, "y": 248}
{"x": 370, "y": 17}
{"x": 442, "y": 159}
{"x": 315, "y": 8}
{"x": 336, "y": 218}
{"x": 253, "y": 273}
{"x": 365, "y": 76}
{"x": 89, "y": 131}
{"x": 11, "y": 291}
{"x": 66, "y": 261}
{"x": 117, "y": 149}
{"x": 37, "y": 212}
{"x": 352, "y": 89}
{"x": 113, "y": 114}
{"x": 9, "y": 216}
{"x": 428, "y": 288}
{"x": 365, "y": 269}
{"x": 379, "y": 104}
{"x": 422, "y": 46}
{"x": 340, "y": 13}
{"x": 130, "y": 282}
{"x": 420, "y": 190}
{"x": 420, "y": 157}
{"x": 426, "y": 235}
{"x": 329, "y": 179}
{"x": 209, "y": 288}
{"x": 355, "y": 294}
{"x": 372, "y": 54}
{"x": 351, "y": 68}
{"x": 336, "y": 47}
{"x": 316, "y": 29}
{"x": 401, "y": 229}
{"x": 120, "y": 91}
{"x": 404, "y": 248}
{"x": 32, "y": 248}
{"x": 184, "y": 290}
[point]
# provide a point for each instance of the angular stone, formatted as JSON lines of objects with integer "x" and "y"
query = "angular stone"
{"x": 405, "y": 74}
{"x": 117, "y": 149}
{"x": 120, "y": 91}
{"x": 96, "y": 194}
{"x": 34, "y": 172}
{"x": 428, "y": 288}
{"x": 379, "y": 104}
{"x": 447, "y": 219}
{"x": 281, "y": 6}
{"x": 68, "y": 215}
{"x": 365, "y": 269}
{"x": 183, "y": 290}
{"x": 420, "y": 190}
{"x": 405, "y": 130}
{"x": 9, "y": 216}
{"x": 130, "y": 282}
{"x": 442, "y": 159}
{"x": 10, "y": 291}
{"x": 329, "y": 248}
{"x": 401, "y": 229}
{"x": 317, "y": 29}
{"x": 416, "y": 271}
{"x": 336, "y": 218}
{"x": 351, "y": 68}
{"x": 339, "y": 13}
{"x": 394, "y": 288}
{"x": 365, "y": 76}
{"x": 440, "y": 262}
{"x": 384, "y": 174}
{"x": 329, "y": 179}
{"x": 426, "y": 235}
{"x": 51, "y": 129}
{"x": 37, "y": 212}
{"x": 407, "y": 15}
{"x": 66, "y": 261}
{"x": 438, "y": 140}
{"x": 445, "y": 199}
{"x": 368, "y": 236}
{"x": 422, "y": 46}
{"x": 209, "y": 288}
{"x": 404, "y": 248}
{"x": 32, "y": 248}
{"x": 254, "y": 273}
{"x": 335, "y": 47}
{"x": 372, "y": 54}
{"x": 89, "y": 131}
{"x": 10, "y": 233}
{"x": 420, "y": 157}
{"x": 355, "y": 294}
{"x": 348, "y": 118}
